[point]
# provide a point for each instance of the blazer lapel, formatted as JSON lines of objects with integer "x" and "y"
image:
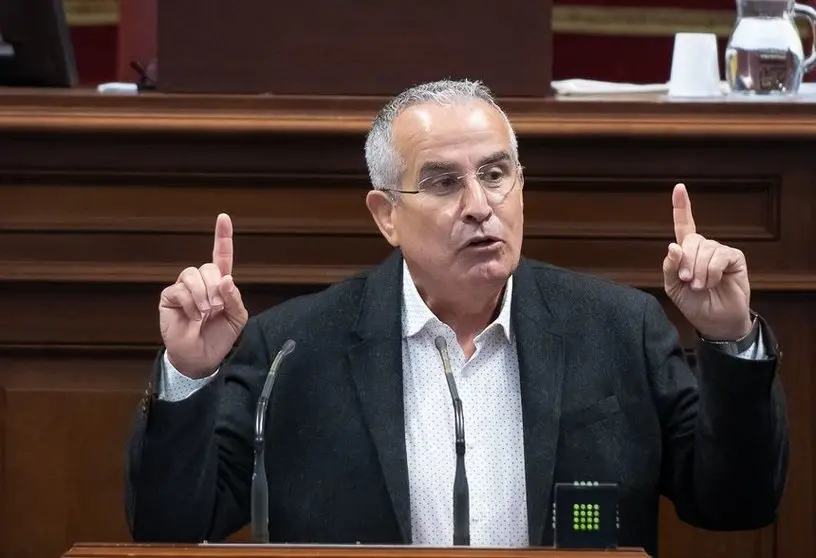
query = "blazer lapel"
{"x": 376, "y": 366}
{"x": 541, "y": 370}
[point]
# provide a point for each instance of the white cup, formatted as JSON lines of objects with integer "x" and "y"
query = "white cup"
{"x": 695, "y": 69}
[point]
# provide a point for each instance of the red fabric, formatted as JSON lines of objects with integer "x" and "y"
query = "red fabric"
{"x": 137, "y": 36}
{"x": 634, "y": 59}
{"x": 612, "y": 58}
{"x": 95, "y": 52}
{"x": 685, "y": 4}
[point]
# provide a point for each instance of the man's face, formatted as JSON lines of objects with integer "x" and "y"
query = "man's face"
{"x": 470, "y": 238}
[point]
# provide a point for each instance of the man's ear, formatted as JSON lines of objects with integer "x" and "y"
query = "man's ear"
{"x": 382, "y": 208}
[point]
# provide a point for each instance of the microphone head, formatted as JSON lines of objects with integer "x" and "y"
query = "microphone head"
{"x": 288, "y": 347}
{"x": 440, "y": 343}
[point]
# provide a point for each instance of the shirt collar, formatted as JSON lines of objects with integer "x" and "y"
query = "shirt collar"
{"x": 416, "y": 315}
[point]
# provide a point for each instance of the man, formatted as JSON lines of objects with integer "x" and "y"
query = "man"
{"x": 563, "y": 377}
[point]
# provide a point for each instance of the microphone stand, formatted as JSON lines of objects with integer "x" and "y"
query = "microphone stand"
{"x": 260, "y": 486}
{"x": 461, "y": 496}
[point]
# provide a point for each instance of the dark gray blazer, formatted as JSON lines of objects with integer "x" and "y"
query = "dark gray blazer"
{"x": 606, "y": 393}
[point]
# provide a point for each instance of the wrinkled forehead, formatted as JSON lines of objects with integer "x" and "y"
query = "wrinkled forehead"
{"x": 461, "y": 136}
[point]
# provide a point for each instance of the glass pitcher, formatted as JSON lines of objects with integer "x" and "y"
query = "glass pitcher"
{"x": 764, "y": 55}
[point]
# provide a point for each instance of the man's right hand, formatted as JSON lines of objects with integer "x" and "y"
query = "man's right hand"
{"x": 201, "y": 314}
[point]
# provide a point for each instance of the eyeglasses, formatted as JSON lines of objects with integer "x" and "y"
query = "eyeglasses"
{"x": 496, "y": 179}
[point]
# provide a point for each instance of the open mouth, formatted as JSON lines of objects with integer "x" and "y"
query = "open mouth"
{"x": 484, "y": 242}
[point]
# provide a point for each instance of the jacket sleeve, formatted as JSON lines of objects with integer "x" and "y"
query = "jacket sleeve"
{"x": 189, "y": 463}
{"x": 724, "y": 428}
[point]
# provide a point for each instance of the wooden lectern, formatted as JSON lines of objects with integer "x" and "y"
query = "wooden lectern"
{"x": 353, "y": 48}
{"x": 319, "y": 551}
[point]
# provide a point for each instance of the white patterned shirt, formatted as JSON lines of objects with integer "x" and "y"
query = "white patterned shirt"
{"x": 488, "y": 384}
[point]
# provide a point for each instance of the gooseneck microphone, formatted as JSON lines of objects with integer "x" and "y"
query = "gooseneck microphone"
{"x": 260, "y": 487}
{"x": 461, "y": 496}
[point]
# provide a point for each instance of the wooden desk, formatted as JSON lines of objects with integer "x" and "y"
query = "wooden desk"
{"x": 105, "y": 199}
{"x": 326, "y": 551}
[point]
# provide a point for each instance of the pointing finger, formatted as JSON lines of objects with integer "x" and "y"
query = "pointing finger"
{"x": 683, "y": 219}
{"x": 222, "y": 246}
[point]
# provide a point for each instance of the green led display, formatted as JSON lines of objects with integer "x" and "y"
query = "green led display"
{"x": 586, "y": 517}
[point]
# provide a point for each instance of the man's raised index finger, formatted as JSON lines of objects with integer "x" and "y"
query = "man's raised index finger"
{"x": 683, "y": 219}
{"x": 222, "y": 246}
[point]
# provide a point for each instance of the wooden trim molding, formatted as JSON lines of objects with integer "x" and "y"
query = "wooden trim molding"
{"x": 633, "y": 116}
{"x": 82, "y": 13}
{"x": 323, "y": 275}
{"x": 640, "y": 21}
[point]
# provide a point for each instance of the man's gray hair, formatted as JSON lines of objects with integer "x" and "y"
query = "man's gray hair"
{"x": 385, "y": 166}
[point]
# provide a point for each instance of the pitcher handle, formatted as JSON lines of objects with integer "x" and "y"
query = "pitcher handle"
{"x": 807, "y": 12}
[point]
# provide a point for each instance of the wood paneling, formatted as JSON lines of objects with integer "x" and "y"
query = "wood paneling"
{"x": 392, "y": 47}
{"x": 331, "y": 205}
{"x": 103, "y": 200}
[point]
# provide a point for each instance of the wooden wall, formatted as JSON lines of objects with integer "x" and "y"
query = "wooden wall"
{"x": 103, "y": 201}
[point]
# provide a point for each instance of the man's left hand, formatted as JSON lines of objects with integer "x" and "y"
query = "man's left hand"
{"x": 706, "y": 280}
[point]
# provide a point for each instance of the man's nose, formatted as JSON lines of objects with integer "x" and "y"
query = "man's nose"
{"x": 474, "y": 199}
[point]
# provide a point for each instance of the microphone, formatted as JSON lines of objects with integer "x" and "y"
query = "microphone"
{"x": 461, "y": 496}
{"x": 260, "y": 486}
